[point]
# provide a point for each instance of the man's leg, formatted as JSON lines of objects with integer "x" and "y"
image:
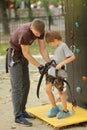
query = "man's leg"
{"x": 25, "y": 87}
{"x": 16, "y": 81}
{"x": 25, "y": 90}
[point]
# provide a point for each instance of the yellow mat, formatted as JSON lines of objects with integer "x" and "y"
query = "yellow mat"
{"x": 79, "y": 116}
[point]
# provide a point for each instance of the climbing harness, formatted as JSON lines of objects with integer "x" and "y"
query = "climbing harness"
{"x": 58, "y": 82}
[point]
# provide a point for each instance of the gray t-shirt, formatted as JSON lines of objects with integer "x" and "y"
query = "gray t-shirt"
{"x": 61, "y": 53}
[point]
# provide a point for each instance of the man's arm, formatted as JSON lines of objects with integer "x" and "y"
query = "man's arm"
{"x": 43, "y": 50}
{"x": 68, "y": 60}
{"x": 28, "y": 56}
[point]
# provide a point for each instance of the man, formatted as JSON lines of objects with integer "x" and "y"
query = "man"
{"x": 19, "y": 55}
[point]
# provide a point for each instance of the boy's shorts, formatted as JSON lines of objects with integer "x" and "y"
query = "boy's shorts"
{"x": 50, "y": 79}
{"x": 57, "y": 83}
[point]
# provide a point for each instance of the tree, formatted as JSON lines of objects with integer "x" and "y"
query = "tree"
{"x": 4, "y": 17}
{"x": 30, "y": 10}
{"x": 45, "y": 4}
{"x": 13, "y": 4}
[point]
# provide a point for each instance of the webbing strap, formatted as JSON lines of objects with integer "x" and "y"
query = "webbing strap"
{"x": 53, "y": 63}
{"x": 6, "y": 61}
{"x": 47, "y": 66}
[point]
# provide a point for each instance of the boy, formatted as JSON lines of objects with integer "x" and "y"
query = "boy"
{"x": 62, "y": 55}
{"x": 18, "y": 58}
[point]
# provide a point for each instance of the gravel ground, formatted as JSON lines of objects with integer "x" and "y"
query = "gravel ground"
{"x": 6, "y": 109}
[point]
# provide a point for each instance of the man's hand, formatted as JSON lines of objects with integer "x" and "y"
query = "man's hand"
{"x": 41, "y": 68}
{"x": 51, "y": 63}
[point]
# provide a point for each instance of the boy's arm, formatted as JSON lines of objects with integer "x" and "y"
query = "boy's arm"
{"x": 43, "y": 50}
{"x": 68, "y": 60}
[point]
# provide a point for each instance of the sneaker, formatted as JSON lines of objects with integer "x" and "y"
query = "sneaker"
{"x": 53, "y": 111}
{"x": 63, "y": 114}
{"x": 23, "y": 121}
{"x": 27, "y": 115}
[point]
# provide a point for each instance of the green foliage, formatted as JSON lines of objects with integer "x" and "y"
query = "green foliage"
{"x": 54, "y": 2}
{"x": 34, "y": 49}
{"x": 3, "y": 49}
{"x": 18, "y": 2}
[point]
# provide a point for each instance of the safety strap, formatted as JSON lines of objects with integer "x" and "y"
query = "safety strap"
{"x": 40, "y": 81}
{"x": 47, "y": 66}
{"x": 72, "y": 98}
{"x": 6, "y": 63}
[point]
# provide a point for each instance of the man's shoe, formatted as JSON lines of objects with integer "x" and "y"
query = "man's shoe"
{"x": 53, "y": 111}
{"x": 23, "y": 121}
{"x": 27, "y": 115}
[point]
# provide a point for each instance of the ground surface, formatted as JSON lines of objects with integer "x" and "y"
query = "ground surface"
{"x": 6, "y": 109}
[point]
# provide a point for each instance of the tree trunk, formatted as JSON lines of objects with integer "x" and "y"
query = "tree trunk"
{"x": 4, "y": 18}
{"x": 50, "y": 20}
{"x": 30, "y": 11}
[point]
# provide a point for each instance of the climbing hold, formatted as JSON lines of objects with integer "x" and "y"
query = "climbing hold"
{"x": 84, "y": 78}
{"x": 77, "y": 50}
{"x": 77, "y": 24}
{"x": 78, "y": 89}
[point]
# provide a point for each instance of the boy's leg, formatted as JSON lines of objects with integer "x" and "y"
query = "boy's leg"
{"x": 64, "y": 112}
{"x": 50, "y": 94}
{"x": 55, "y": 109}
{"x": 63, "y": 96}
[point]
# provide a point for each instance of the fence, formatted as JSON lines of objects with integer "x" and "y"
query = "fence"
{"x": 56, "y": 23}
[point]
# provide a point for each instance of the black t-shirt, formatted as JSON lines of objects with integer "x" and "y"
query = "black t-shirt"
{"x": 23, "y": 36}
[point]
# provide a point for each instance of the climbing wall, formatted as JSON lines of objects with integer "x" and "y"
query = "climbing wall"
{"x": 76, "y": 38}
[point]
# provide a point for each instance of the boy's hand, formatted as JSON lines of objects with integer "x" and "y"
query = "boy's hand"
{"x": 59, "y": 66}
